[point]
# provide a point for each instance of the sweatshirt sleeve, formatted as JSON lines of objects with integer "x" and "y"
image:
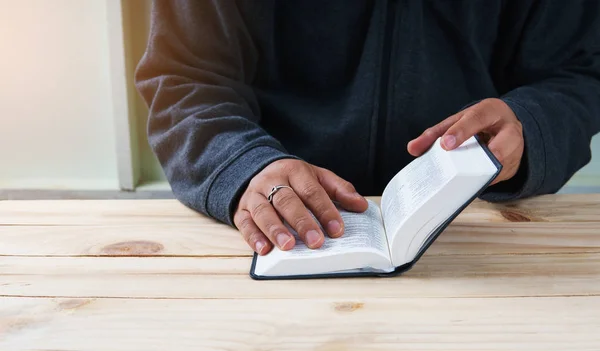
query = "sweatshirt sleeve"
{"x": 203, "y": 116}
{"x": 551, "y": 80}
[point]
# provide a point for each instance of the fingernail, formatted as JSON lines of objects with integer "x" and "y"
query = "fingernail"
{"x": 357, "y": 195}
{"x": 333, "y": 227}
{"x": 282, "y": 239}
{"x": 260, "y": 245}
{"x": 449, "y": 141}
{"x": 312, "y": 238}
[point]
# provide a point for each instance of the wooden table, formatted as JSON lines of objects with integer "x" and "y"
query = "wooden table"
{"x": 154, "y": 275}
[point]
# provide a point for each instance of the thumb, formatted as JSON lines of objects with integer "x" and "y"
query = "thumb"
{"x": 341, "y": 191}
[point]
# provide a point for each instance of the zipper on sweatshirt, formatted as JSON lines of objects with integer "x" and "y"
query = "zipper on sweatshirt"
{"x": 383, "y": 93}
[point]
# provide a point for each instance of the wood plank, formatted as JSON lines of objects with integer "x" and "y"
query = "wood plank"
{"x": 550, "y": 208}
{"x": 215, "y": 239}
{"x": 124, "y": 240}
{"x": 351, "y": 324}
{"x": 183, "y": 278}
{"x": 463, "y": 238}
{"x": 165, "y": 228}
{"x": 557, "y": 208}
{"x": 99, "y": 212}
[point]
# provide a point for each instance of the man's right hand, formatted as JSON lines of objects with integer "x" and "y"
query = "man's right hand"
{"x": 260, "y": 222}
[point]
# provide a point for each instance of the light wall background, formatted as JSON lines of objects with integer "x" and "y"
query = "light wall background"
{"x": 56, "y": 128}
{"x": 136, "y": 26}
{"x": 70, "y": 116}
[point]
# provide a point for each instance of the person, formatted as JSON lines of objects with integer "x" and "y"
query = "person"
{"x": 330, "y": 99}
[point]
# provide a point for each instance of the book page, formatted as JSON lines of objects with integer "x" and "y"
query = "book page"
{"x": 363, "y": 245}
{"x": 412, "y": 187}
{"x": 428, "y": 192}
{"x": 362, "y": 231}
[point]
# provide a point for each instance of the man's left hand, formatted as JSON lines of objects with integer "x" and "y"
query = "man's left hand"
{"x": 491, "y": 119}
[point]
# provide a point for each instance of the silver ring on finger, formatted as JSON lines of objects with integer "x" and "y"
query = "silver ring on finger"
{"x": 274, "y": 190}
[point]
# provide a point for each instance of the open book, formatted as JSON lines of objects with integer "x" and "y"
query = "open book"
{"x": 416, "y": 206}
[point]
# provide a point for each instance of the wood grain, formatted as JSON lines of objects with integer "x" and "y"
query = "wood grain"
{"x": 96, "y": 212}
{"x": 220, "y": 240}
{"x": 548, "y": 208}
{"x": 155, "y": 275}
{"x": 184, "y": 278}
{"x": 562, "y": 224}
{"x": 123, "y": 240}
{"x": 358, "y": 323}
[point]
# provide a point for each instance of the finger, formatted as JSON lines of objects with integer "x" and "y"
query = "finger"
{"x": 341, "y": 190}
{"x": 507, "y": 147}
{"x": 473, "y": 121}
{"x": 419, "y": 145}
{"x": 310, "y": 191}
{"x": 268, "y": 221}
{"x": 251, "y": 233}
{"x": 295, "y": 213}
